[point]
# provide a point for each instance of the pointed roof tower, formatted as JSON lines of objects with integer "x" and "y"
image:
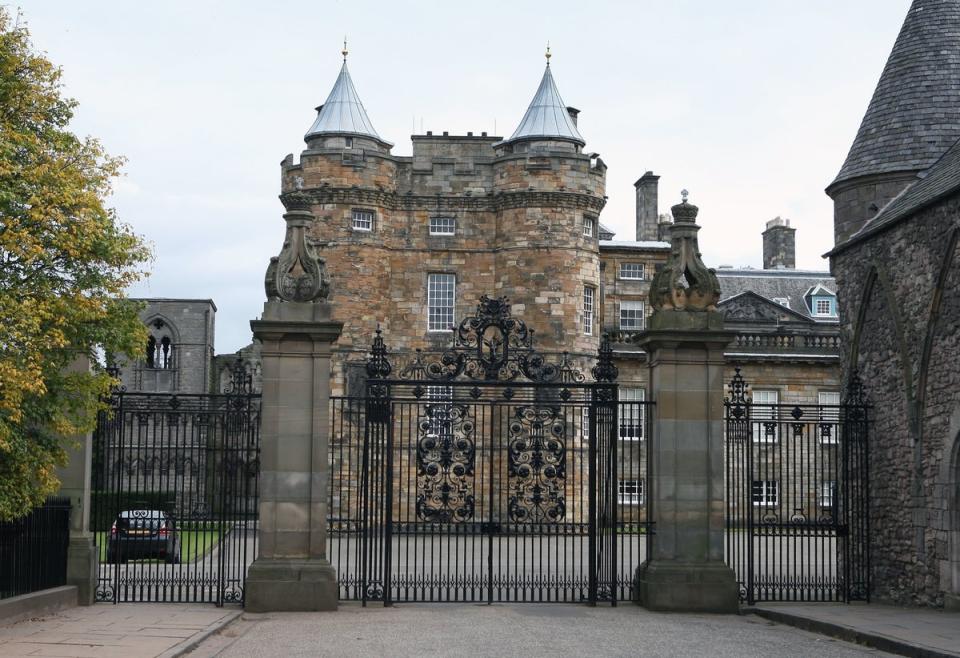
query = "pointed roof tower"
{"x": 343, "y": 113}
{"x": 547, "y": 117}
{"x": 914, "y": 115}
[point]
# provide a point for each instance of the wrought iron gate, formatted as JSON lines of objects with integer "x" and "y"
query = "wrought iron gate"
{"x": 174, "y": 502}
{"x": 488, "y": 474}
{"x": 797, "y": 525}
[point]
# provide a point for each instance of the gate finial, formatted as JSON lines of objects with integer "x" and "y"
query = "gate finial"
{"x": 738, "y": 388}
{"x": 684, "y": 283}
{"x": 605, "y": 370}
{"x": 855, "y": 393}
{"x": 378, "y": 366}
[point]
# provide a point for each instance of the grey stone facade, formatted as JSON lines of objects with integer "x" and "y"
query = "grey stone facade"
{"x": 902, "y": 325}
{"x": 177, "y": 358}
{"x": 896, "y": 264}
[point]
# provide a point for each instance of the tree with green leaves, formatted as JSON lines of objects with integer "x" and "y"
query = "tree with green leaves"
{"x": 65, "y": 264}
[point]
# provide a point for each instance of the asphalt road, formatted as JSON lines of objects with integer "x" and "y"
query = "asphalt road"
{"x": 527, "y": 630}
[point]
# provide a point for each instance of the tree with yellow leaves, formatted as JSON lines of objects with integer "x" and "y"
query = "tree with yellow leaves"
{"x": 65, "y": 263}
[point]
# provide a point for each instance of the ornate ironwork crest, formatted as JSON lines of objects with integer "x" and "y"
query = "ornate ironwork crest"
{"x": 491, "y": 346}
{"x": 537, "y": 464}
{"x": 446, "y": 451}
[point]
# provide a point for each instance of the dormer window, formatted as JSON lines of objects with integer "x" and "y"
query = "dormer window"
{"x": 822, "y": 302}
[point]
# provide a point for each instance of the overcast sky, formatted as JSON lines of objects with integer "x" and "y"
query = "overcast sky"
{"x": 749, "y": 104}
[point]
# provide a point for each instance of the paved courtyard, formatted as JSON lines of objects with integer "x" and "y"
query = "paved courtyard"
{"x": 514, "y": 630}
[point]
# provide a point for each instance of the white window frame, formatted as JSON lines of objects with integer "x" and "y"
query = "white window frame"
{"x": 829, "y": 410}
{"x": 632, "y": 417}
{"x": 438, "y": 314}
{"x": 769, "y": 493}
{"x": 828, "y": 494}
{"x": 348, "y": 142}
{"x": 588, "y": 226}
{"x": 764, "y": 411}
{"x": 445, "y": 225}
{"x": 362, "y": 219}
{"x": 589, "y": 305}
{"x": 783, "y": 301}
{"x": 638, "y": 274}
{"x": 630, "y": 492}
{"x": 816, "y": 308}
{"x": 634, "y": 322}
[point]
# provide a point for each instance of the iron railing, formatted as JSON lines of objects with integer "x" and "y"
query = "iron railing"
{"x": 456, "y": 537}
{"x": 175, "y": 494}
{"x": 796, "y": 499}
{"x": 33, "y": 549}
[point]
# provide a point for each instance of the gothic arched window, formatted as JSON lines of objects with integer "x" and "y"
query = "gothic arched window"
{"x": 160, "y": 346}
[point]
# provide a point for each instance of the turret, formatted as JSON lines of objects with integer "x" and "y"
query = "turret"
{"x": 549, "y": 195}
{"x": 912, "y": 119}
{"x": 342, "y": 121}
{"x": 548, "y": 124}
{"x": 338, "y": 192}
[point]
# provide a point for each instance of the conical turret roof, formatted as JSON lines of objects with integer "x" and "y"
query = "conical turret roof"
{"x": 547, "y": 116}
{"x": 342, "y": 112}
{"x": 914, "y": 115}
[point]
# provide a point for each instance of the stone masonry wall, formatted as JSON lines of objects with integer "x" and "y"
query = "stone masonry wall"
{"x": 914, "y": 396}
{"x": 190, "y": 323}
{"x": 519, "y": 220}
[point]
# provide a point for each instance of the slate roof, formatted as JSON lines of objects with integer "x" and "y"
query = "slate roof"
{"x": 941, "y": 180}
{"x": 342, "y": 112}
{"x": 771, "y": 284}
{"x": 914, "y": 115}
{"x": 774, "y": 307}
{"x": 547, "y": 115}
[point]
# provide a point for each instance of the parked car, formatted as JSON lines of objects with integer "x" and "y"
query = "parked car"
{"x": 140, "y": 534}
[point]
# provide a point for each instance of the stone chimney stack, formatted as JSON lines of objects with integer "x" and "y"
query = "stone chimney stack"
{"x": 779, "y": 245}
{"x": 663, "y": 228}
{"x": 647, "y": 215}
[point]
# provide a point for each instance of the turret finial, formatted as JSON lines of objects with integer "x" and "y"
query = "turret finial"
{"x": 547, "y": 54}
{"x": 344, "y": 52}
{"x": 684, "y": 195}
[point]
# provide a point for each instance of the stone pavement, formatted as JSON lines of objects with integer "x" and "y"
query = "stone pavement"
{"x": 908, "y": 631}
{"x": 527, "y": 630}
{"x": 131, "y": 630}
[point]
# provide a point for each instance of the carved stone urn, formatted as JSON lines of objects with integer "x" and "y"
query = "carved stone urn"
{"x": 685, "y": 292}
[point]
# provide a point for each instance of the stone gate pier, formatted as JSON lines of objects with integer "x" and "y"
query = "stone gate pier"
{"x": 292, "y": 571}
{"x": 686, "y": 569}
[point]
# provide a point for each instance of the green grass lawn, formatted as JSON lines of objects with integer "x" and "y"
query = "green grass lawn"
{"x": 194, "y": 544}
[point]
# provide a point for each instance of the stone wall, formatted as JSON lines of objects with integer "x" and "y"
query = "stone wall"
{"x": 901, "y": 320}
{"x": 190, "y": 324}
{"x": 518, "y": 233}
{"x": 857, "y": 200}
